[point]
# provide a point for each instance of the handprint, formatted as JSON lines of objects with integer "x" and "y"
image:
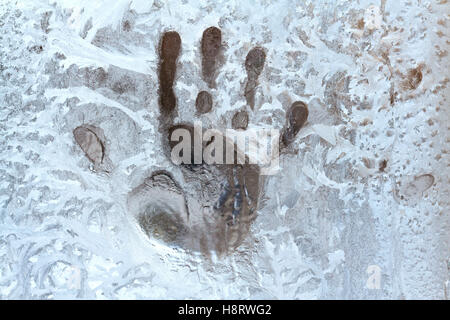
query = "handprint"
{"x": 214, "y": 209}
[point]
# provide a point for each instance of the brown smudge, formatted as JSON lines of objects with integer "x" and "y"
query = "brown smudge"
{"x": 203, "y": 103}
{"x": 254, "y": 64}
{"x": 360, "y": 24}
{"x": 367, "y": 162}
{"x": 240, "y": 120}
{"x": 413, "y": 78}
{"x": 211, "y": 45}
{"x": 383, "y": 165}
{"x": 90, "y": 143}
{"x": 169, "y": 51}
{"x": 126, "y": 26}
{"x": 295, "y": 119}
{"x": 392, "y": 95}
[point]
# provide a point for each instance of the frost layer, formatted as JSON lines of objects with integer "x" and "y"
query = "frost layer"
{"x": 365, "y": 184}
